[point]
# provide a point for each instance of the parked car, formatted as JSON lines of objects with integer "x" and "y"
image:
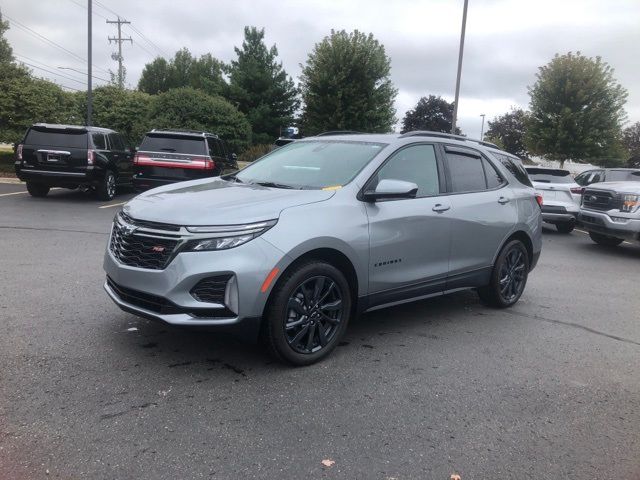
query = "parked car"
{"x": 561, "y": 196}
{"x": 610, "y": 212}
{"x": 170, "y": 156}
{"x": 73, "y": 156}
{"x": 300, "y": 241}
{"x": 598, "y": 175}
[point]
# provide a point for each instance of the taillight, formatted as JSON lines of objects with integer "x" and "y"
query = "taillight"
{"x": 577, "y": 190}
{"x": 141, "y": 159}
{"x": 91, "y": 157}
{"x": 19, "y": 152}
{"x": 208, "y": 163}
{"x": 539, "y": 199}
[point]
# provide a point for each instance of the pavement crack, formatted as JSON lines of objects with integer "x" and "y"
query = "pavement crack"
{"x": 571, "y": 324}
{"x": 9, "y": 227}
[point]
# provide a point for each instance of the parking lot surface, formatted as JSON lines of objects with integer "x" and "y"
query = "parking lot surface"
{"x": 548, "y": 389}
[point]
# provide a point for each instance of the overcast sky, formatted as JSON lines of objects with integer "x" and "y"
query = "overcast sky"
{"x": 507, "y": 40}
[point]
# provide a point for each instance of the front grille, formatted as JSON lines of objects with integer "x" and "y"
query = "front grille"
{"x": 211, "y": 289}
{"x": 148, "y": 224}
{"x": 600, "y": 200}
{"x": 142, "y": 251}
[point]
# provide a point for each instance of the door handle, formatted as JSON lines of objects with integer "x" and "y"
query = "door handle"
{"x": 438, "y": 207}
{"x": 503, "y": 200}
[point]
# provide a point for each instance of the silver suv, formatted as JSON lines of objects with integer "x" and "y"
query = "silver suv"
{"x": 315, "y": 232}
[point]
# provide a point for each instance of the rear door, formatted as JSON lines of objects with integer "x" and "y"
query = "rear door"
{"x": 483, "y": 213}
{"x": 56, "y": 149}
{"x": 121, "y": 158}
{"x": 409, "y": 238}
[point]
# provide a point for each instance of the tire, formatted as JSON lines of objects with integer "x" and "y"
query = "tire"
{"x": 106, "y": 190}
{"x": 605, "y": 239}
{"x": 293, "y": 322}
{"x": 508, "y": 277}
{"x": 565, "y": 227}
{"x": 37, "y": 189}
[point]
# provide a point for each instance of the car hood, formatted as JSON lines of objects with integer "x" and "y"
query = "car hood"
{"x": 217, "y": 202}
{"x": 619, "y": 187}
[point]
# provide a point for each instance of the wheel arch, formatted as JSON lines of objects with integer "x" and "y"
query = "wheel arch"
{"x": 524, "y": 238}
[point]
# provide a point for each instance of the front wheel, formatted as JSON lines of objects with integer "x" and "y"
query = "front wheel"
{"x": 308, "y": 313}
{"x": 508, "y": 278}
{"x": 605, "y": 239}
{"x": 106, "y": 190}
{"x": 37, "y": 189}
{"x": 565, "y": 227}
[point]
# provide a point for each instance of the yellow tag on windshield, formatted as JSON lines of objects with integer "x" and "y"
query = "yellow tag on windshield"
{"x": 334, "y": 187}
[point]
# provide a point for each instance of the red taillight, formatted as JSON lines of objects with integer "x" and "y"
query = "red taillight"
{"x": 19, "y": 152}
{"x": 539, "y": 199}
{"x": 577, "y": 190}
{"x": 141, "y": 159}
{"x": 195, "y": 163}
{"x": 91, "y": 157}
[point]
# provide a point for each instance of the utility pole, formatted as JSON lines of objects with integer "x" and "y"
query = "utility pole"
{"x": 482, "y": 128}
{"x": 119, "y": 40}
{"x": 89, "y": 77}
{"x": 455, "y": 106}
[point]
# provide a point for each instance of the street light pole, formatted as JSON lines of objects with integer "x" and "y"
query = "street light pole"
{"x": 455, "y": 105}
{"x": 482, "y": 128}
{"x": 89, "y": 77}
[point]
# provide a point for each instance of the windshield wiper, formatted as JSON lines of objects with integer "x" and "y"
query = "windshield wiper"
{"x": 273, "y": 185}
{"x": 233, "y": 177}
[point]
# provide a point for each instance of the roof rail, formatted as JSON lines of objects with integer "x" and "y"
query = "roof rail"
{"x": 183, "y": 130}
{"x": 338, "y": 132}
{"x": 425, "y": 133}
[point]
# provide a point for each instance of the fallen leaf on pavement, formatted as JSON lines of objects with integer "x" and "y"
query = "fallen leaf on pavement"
{"x": 455, "y": 476}
{"x": 327, "y": 462}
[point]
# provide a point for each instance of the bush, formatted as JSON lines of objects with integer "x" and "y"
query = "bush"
{"x": 254, "y": 152}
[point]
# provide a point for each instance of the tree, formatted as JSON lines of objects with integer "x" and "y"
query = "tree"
{"x": 631, "y": 142}
{"x": 509, "y": 131}
{"x": 261, "y": 87}
{"x": 576, "y": 110}
{"x": 346, "y": 85}
{"x": 194, "y": 109}
{"x": 431, "y": 113}
{"x": 184, "y": 70}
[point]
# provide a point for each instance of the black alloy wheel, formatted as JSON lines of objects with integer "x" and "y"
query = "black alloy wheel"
{"x": 508, "y": 277}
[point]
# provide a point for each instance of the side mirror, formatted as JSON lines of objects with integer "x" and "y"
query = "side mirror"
{"x": 391, "y": 189}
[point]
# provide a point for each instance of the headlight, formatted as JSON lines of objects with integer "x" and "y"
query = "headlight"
{"x": 630, "y": 203}
{"x": 225, "y": 237}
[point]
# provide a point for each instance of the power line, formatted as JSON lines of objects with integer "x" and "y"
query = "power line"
{"x": 85, "y": 7}
{"x": 48, "y": 41}
{"x": 52, "y": 72}
{"x": 51, "y": 66}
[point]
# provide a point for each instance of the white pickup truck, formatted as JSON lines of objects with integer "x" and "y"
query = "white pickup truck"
{"x": 610, "y": 212}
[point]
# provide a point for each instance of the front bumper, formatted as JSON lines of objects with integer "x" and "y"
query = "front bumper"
{"x": 248, "y": 265}
{"x": 601, "y": 222}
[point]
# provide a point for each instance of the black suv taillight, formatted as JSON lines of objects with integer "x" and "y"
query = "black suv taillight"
{"x": 19, "y": 152}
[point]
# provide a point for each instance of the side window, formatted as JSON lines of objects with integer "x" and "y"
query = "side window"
{"x": 582, "y": 178}
{"x": 99, "y": 142}
{"x": 494, "y": 179}
{"x": 214, "y": 148}
{"x": 223, "y": 150}
{"x": 515, "y": 168}
{"x": 116, "y": 142}
{"x": 416, "y": 164}
{"x": 467, "y": 173}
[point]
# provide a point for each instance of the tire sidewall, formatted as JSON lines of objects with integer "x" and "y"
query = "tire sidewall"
{"x": 104, "y": 188}
{"x": 278, "y": 310}
{"x": 495, "y": 275}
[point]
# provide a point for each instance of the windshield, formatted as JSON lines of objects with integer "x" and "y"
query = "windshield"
{"x": 546, "y": 175}
{"x": 174, "y": 143}
{"x": 57, "y": 138}
{"x": 623, "y": 176}
{"x": 313, "y": 164}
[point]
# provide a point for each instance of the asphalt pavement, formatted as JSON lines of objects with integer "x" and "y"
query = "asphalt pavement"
{"x": 545, "y": 390}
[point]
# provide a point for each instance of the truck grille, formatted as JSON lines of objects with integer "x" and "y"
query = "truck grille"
{"x": 600, "y": 200}
{"x": 141, "y": 249}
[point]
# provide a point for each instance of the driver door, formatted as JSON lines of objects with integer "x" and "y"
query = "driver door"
{"x": 409, "y": 238}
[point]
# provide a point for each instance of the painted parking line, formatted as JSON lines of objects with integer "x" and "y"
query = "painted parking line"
{"x": 22, "y": 193}
{"x": 112, "y": 205}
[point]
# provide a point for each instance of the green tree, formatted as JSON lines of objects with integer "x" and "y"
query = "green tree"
{"x": 8, "y": 67}
{"x": 430, "y": 113}
{"x": 631, "y": 142}
{"x": 126, "y": 111}
{"x": 194, "y": 109}
{"x": 509, "y": 132}
{"x": 261, "y": 87}
{"x": 577, "y": 109}
{"x": 184, "y": 70}
{"x": 346, "y": 84}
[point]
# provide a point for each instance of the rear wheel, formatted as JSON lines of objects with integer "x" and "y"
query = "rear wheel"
{"x": 565, "y": 227}
{"x": 106, "y": 190}
{"x": 605, "y": 239}
{"x": 37, "y": 189}
{"x": 508, "y": 278}
{"x": 308, "y": 313}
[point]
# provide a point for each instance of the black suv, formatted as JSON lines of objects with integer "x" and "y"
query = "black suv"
{"x": 72, "y": 156}
{"x": 169, "y": 156}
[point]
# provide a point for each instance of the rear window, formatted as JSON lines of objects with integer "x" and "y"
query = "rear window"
{"x": 547, "y": 175}
{"x": 514, "y": 166}
{"x": 174, "y": 143}
{"x": 57, "y": 138}
{"x": 623, "y": 176}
